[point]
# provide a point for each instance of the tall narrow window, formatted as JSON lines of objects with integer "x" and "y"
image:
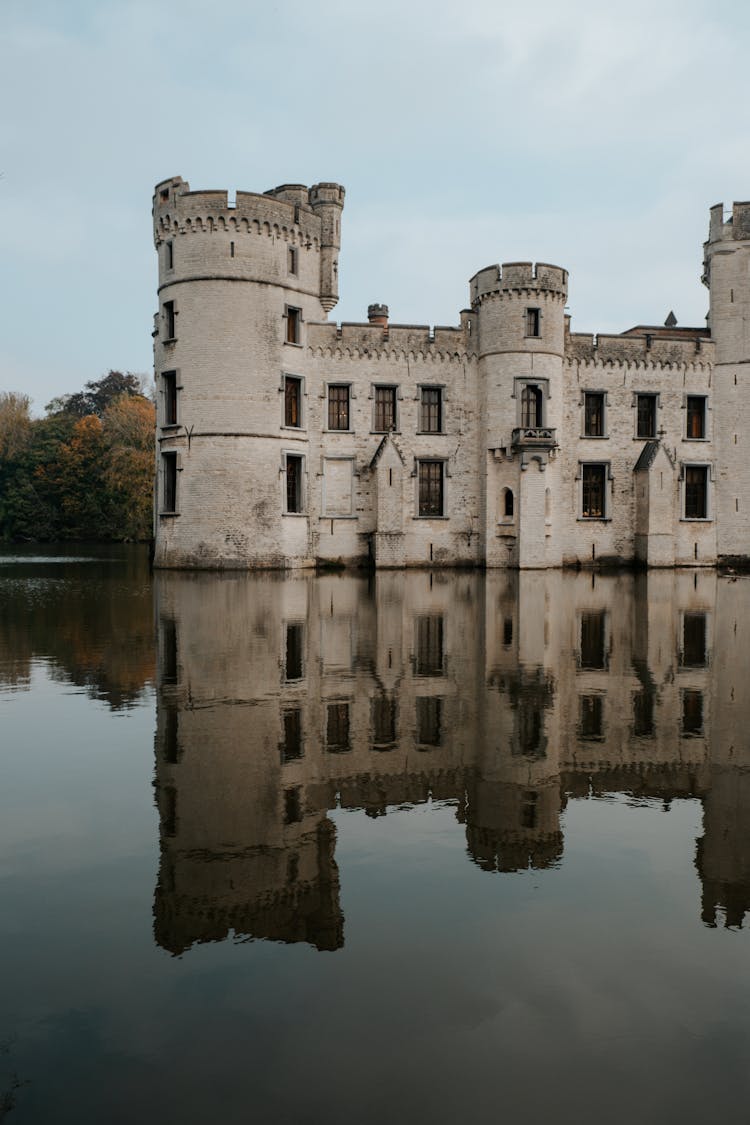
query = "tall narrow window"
{"x": 291, "y": 259}
{"x": 645, "y": 426}
{"x": 531, "y": 406}
{"x": 170, "y": 397}
{"x": 338, "y": 407}
{"x": 696, "y": 492}
{"x": 696, "y": 416}
{"x": 169, "y": 255}
{"x": 169, "y": 482}
{"x": 533, "y": 321}
{"x": 293, "y": 325}
{"x": 593, "y": 414}
{"x": 385, "y": 409}
{"x": 337, "y": 728}
{"x": 293, "y": 484}
{"x": 593, "y": 503}
{"x": 431, "y": 488}
{"x": 292, "y": 401}
{"x": 431, "y": 410}
{"x": 169, "y": 320}
{"x": 508, "y": 504}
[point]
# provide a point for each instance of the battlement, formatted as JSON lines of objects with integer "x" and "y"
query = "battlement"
{"x": 539, "y": 277}
{"x": 646, "y": 350}
{"x": 736, "y": 227}
{"x": 440, "y": 342}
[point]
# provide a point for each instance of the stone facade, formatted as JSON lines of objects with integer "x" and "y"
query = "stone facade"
{"x": 286, "y": 440}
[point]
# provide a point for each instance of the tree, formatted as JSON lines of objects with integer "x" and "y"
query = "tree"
{"x": 15, "y": 424}
{"x": 129, "y": 424}
{"x": 97, "y": 395}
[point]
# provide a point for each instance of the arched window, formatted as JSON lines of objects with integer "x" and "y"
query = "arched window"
{"x": 508, "y": 504}
{"x": 531, "y": 406}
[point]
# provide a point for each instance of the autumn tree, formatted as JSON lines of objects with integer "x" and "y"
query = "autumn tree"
{"x": 128, "y": 430}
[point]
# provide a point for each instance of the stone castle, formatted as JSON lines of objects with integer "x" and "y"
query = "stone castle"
{"x": 286, "y": 440}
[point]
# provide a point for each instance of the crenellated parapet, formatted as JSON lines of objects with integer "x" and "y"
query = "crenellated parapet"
{"x": 519, "y": 278}
{"x": 396, "y": 342}
{"x": 639, "y": 351}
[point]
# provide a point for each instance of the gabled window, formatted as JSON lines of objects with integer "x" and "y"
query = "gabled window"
{"x": 385, "y": 409}
{"x": 431, "y": 490}
{"x": 696, "y": 417}
{"x": 293, "y": 325}
{"x": 533, "y": 322}
{"x": 645, "y": 424}
{"x": 292, "y": 401}
{"x": 593, "y": 414}
{"x": 338, "y": 406}
{"x": 169, "y": 383}
{"x": 431, "y": 410}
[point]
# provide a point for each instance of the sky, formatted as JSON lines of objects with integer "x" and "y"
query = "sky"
{"x": 591, "y": 135}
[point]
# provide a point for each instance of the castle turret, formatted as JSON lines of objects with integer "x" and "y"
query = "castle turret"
{"x": 327, "y": 202}
{"x": 520, "y": 314}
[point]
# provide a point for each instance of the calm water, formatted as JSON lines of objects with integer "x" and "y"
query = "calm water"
{"x": 408, "y": 848}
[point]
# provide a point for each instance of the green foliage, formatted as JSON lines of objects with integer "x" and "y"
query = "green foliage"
{"x": 72, "y": 476}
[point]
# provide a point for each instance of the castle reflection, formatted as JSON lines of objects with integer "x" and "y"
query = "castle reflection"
{"x": 280, "y": 698}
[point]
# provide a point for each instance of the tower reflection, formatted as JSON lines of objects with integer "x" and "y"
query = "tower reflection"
{"x": 280, "y": 698}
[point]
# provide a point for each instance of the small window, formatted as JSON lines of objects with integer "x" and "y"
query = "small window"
{"x": 696, "y": 492}
{"x": 593, "y": 414}
{"x": 593, "y": 499}
{"x": 431, "y": 410}
{"x": 169, "y": 255}
{"x": 291, "y": 747}
{"x": 293, "y": 325}
{"x": 291, "y": 260}
{"x": 292, "y": 401}
{"x": 164, "y": 195}
{"x": 696, "y": 417}
{"x": 431, "y": 492}
{"x": 169, "y": 482}
{"x": 337, "y": 728}
{"x": 169, "y": 320}
{"x": 294, "y": 499}
{"x": 645, "y": 426}
{"x": 169, "y": 379}
{"x": 429, "y": 720}
{"x": 531, "y": 406}
{"x": 338, "y": 407}
{"x": 533, "y": 322}
{"x": 385, "y": 409}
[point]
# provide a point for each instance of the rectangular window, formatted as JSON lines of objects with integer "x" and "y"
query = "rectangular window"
{"x": 429, "y": 646}
{"x": 693, "y": 653}
{"x": 431, "y": 488}
{"x": 169, "y": 482}
{"x": 696, "y": 492}
{"x": 591, "y": 724}
{"x": 170, "y": 397}
{"x": 385, "y": 409}
{"x": 429, "y": 720}
{"x": 169, "y": 255}
{"x": 292, "y": 401}
{"x": 533, "y": 319}
{"x": 594, "y": 480}
{"x": 169, "y": 320}
{"x": 383, "y": 722}
{"x": 337, "y": 728}
{"x": 294, "y": 502}
{"x": 593, "y": 414}
{"x": 291, "y": 747}
{"x": 645, "y": 426}
{"x": 294, "y": 668}
{"x": 431, "y": 410}
{"x": 593, "y": 651}
{"x": 291, "y": 259}
{"x": 293, "y": 325}
{"x": 696, "y": 416}
{"x": 338, "y": 407}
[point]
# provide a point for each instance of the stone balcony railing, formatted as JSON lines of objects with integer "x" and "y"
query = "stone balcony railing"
{"x": 534, "y": 437}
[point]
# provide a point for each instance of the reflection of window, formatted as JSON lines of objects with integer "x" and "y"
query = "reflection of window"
{"x": 431, "y": 492}
{"x": 693, "y": 653}
{"x": 168, "y": 809}
{"x": 530, "y": 726}
{"x": 291, "y": 747}
{"x": 508, "y": 631}
{"x": 643, "y": 713}
{"x": 292, "y": 805}
{"x": 292, "y": 401}
{"x": 593, "y": 414}
{"x": 293, "y": 468}
{"x": 169, "y": 651}
{"x": 338, "y": 407}
{"x": 531, "y": 406}
{"x": 431, "y": 410}
{"x": 337, "y": 728}
{"x": 696, "y": 492}
{"x": 593, "y": 494}
{"x": 529, "y": 808}
{"x": 429, "y": 659}
{"x": 645, "y": 426}
{"x": 591, "y": 721}
{"x": 532, "y": 322}
{"x": 429, "y": 720}
{"x": 383, "y": 722}
{"x": 385, "y": 409}
{"x": 692, "y": 713}
{"x": 293, "y": 665}
{"x": 593, "y": 646}
{"x": 696, "y": 416}
{"x": 171, "y": 735}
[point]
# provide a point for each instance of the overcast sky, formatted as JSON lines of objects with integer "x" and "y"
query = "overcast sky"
{"x": 587, "y": 134}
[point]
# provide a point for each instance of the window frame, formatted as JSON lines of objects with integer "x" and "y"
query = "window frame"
{"x": 293, "y": 325}
{"x": 707, "y": 471}
{"x": 288, "y": 379}
{"x": 289, "y": 457}
{"x": 587, "y": 397}
{"x": 703, "y": 436}
{"x": 347, "y": 429}
{"x": 605, "y": 467}
{"x": 168, "y": 487}
{"x": 170, "y": 398}
{"x": 169, "y": 312}
{"x": 292, "y": 261}
{"x": 653, "y": 397}
{"x": 532, "y": 322}
{"x": 393, "y": 389}
{"x": 440, "y": 462}
{"x": 426, "y": 408}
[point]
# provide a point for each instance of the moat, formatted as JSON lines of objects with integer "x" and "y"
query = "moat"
{"x": 405, "y": 847}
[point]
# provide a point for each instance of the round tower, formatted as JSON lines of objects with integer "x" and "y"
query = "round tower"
{"x": 521, "y": 327}
{"x": 238, "y": 283}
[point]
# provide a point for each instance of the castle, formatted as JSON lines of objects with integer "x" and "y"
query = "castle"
{"x": 285, "y": 440}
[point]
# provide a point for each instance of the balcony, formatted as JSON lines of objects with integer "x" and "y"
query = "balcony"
{"x": 533, "y": 437}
